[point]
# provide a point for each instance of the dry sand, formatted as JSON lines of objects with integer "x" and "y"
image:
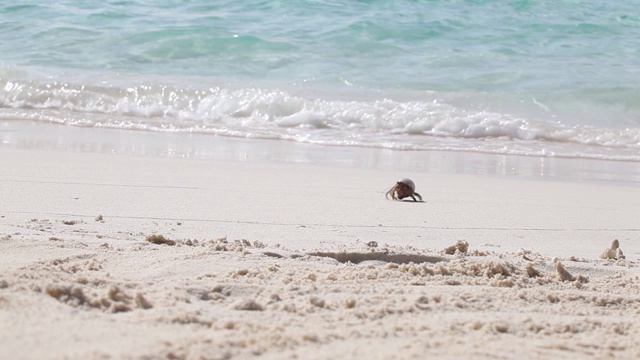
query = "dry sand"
{"x": 111, "y": 256}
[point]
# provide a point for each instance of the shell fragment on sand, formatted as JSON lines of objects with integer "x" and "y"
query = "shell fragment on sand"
{"x": 614, "y": 252}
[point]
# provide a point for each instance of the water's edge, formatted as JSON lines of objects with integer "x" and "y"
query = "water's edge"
{"x": 52, "y": 137}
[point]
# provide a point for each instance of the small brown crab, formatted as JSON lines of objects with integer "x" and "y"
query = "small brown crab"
{"x": 402, "y": 189}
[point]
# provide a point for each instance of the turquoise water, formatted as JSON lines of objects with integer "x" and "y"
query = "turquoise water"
{"x": 543, "y": 78}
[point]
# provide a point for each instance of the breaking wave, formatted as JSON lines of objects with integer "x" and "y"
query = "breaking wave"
{"x": 428, "y": 123}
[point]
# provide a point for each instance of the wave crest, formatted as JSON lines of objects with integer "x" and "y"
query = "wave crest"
{"x": 277, "y": 114}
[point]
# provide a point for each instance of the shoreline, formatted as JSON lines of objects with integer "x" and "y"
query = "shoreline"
{"x": 44, "y": 136}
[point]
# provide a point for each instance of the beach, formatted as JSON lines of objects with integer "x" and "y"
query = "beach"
{"x": 207, "y": 180}
{"x": 126, "y": 255}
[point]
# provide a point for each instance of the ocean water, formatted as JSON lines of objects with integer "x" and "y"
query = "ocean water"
{"x": 550, "y": 78}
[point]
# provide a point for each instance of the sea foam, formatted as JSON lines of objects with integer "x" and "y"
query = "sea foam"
{"x": 428, "y": 124}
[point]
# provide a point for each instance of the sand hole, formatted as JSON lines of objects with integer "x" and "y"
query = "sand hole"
{"x": 356, "y": 257}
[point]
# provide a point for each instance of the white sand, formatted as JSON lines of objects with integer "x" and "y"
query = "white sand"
{"x": 293, "y": 261}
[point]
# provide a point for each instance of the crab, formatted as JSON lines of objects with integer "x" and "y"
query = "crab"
{"x": 402, "y": 189}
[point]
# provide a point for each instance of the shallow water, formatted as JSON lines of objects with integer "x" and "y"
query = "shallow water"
{"x": 546, "y": 78}
{"x": 50, "y": 137}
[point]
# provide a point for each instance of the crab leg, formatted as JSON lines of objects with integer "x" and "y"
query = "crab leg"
{"x": 386, "y": 195}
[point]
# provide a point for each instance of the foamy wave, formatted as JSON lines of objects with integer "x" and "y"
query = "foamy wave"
{"x": 276, "y": 114}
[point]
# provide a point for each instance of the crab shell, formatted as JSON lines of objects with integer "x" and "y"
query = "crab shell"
{"x": 402, "y": 189}
{"x": 409, "y": 183}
